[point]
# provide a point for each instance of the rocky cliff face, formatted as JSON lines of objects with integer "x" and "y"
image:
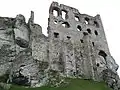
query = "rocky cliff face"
{"x": 76, "y": 47}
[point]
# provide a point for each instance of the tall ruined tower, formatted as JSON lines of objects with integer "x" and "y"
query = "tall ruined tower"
{"x": 75, "y": 47}
{"x": 77, "y": 43}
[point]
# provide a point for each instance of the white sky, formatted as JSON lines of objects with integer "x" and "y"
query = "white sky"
{"x": 108, "y": 9}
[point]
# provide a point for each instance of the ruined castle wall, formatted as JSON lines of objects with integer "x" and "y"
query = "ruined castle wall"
{"x": 76, "y": 46}
{"x": 81, "y": 39}
{"x": 39, "y": 44}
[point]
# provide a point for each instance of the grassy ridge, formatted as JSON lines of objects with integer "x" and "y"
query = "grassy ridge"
{"x": 75, "y": 84}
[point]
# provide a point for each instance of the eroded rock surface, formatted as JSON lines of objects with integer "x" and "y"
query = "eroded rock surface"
{"x": 76, "y": 47}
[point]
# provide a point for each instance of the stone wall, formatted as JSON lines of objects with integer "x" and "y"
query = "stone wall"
{"x": 76, "y": 47}
{"x": 82, "y": 41}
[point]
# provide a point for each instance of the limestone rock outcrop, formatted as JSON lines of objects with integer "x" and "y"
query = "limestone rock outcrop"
{"x": 75, "y": 47}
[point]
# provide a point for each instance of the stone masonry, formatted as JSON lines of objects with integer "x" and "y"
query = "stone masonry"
{"x": 76, "y": 46}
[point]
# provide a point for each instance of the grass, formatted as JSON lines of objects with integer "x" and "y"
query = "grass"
{"x": 75, "y": 84}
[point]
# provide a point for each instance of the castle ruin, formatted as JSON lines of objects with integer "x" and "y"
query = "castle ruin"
{"x": 76, "y": 46}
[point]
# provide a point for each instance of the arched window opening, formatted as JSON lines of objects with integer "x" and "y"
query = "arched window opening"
{"x": 81, "y": 41}
{"x": 96, "y": 33}
{"x": 77, "y": 18}
{"x": 64, "y": 14}
{"x": 98, "y": 64}
{"x": 103, "y": 54}
{"x": 56, "y": 35}
{"x": 65, "y": 25}
{"x": 55, "y": 12}
{"x": 96, "y": 24}
{"x": 93, "y": 43}
{"x": 86, "y": 20}
{"x": 89, "y": 31}
{"x": 79, "y": 28}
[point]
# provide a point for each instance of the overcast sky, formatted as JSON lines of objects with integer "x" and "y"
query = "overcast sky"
{"x": 108, "y": 9}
